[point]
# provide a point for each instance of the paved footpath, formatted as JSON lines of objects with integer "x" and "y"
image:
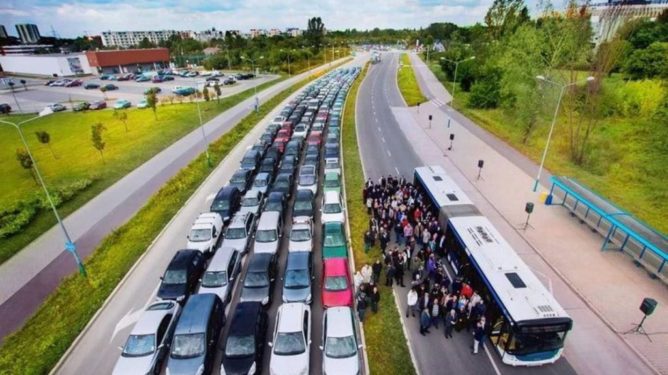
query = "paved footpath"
{"x": 32, "y": 274}
{"x": 602, "y": 291}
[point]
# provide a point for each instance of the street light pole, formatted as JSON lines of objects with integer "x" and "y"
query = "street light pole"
{"x": 69, "y": 244}
{"x": 201, "y": 126}
{"x": 454, "y": 82}
{"x": 257, "y": 100}
{"x": 554, "y": 121}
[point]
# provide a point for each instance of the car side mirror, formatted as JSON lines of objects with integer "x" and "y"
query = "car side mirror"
{"x": 321, "y": 347}
{"x": 271, "y": 344}
{"x": 162, "y": 278}
{"x": 360, "y": 346}
{"x": 272, "y": 279}
{"x": 188, "y": 236}
{"x": 120, "y": 348}
{"x": 200, "y": 280}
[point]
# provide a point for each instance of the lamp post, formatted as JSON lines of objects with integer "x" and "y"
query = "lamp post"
{"x": 11, "y": 87}
{"x": 257, "y": 100}
{"x": 201, "y": 125}
{"x": 454, "y": 82}
{"x": 554, "y": 120}
{"x": 69, "y": 244}
{"x": 308, "y": 59}
{"x": 289, "y": 70}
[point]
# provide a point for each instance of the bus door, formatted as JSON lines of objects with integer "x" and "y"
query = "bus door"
{"x": 500, "y": 334}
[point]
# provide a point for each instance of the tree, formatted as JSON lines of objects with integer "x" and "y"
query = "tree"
{"x": 205, "y": 93}
{"x": 649, "y": 62}
{"x": 315, "y": 31}
{"x": 24, "y": 83}
{"x": 26, "y": 162}
{"x": 152, "y": 102}
{"x": 145, "y": 43}
{"x": 216, "y": 88}
{"x": 486, "y": 92}
{"x": 122, "y": 116}
{"x": 96, "y": 138}
{"x": 45, "y": 138}
{"x": 504, "y": 16}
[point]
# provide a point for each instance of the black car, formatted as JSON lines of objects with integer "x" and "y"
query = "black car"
{"x": 283, "y": 184}
{"x": 242, "y": 180}
{"x": 5, "y": 108}
{"x": 259, "y": 280}
{"x": 293, "y": 148}
{"x": 275, "y": 202}
{"x": 91, "y": 85}
{"x": 269, "y": 165}
{"x": 274, "y": 152}
{"x": 312, "y": 159}
{"x": 244, "y": 345}
{"x": 227, "y": 202}
{"x": 110, "y": 86}
{"x": 331, "y": 150}
{"x": 260, "y": 147}
{"x": 267, "y": 138}
{"x": 304, "y": 203}
{"x": 251, "y": 160}
{"x": 288, "y": 165}
{"x": 182, "y": 274}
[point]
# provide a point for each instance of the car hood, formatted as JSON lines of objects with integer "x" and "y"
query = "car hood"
{"x": 339, "y": 298}
{"x": 199, "y": 245}
{"x": 303, "y": 213}
{"x": 334, "y": 252}
{"x": 219, "y": 291}
{"x": 340, "y": 366}
{"x": 266, "y": 247}
{"x": 245, "y": 209}
{"x": 238, "y": 365}
{"x": 133, "y": 365}
{"x": 297, "y": 295}
{"x": 239, "y": 244}
{"x": 300, "y": 245}
{"x": 327, "y": 218}
{"x": 289, "y": 364}
{"x": 254, "y": 294}
{"x": 186, "y": 366}
{"x": 171, "y": 291}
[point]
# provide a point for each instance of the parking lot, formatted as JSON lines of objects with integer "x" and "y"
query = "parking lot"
{"x": 38, "y": 95}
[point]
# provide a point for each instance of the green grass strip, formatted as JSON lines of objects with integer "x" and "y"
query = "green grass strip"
{"x": 408, "y": 84}
{"x": 386, "y": 345}
{"x": 39, "y": 344}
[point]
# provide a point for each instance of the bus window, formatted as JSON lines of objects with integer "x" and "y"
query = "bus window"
{"x": 528, "y": 343}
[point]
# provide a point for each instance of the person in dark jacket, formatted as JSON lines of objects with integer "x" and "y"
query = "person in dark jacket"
{"x": 376, "y": 269}
{"x": 368, "y": 241}
{"x": 425, "y": 321}
{"x": 384, "y": 239}
{"x": 374, "y": 297}
{"x": 361, "y": 302}
{"x": 450, "y": 320}
{"x": 478, "y": 334}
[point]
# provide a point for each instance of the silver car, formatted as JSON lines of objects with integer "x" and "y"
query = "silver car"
{"x": 261, "y": 182}
{"x": 340, "y": 348}
{"x": 251, "y": 202}
{"x": 301, "y": 236}
{"x": 239, "y": 232}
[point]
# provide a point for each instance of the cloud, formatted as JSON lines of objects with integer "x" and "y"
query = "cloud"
{"x": 75, "y": 17}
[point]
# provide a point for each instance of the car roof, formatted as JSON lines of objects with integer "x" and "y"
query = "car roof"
{"x": 298, "y": 260}
{"x": 221, "y": 259}
{"x": 268, "y": 220}
{"x": 291, "y": 317}
{"x": 339, "y": 322}
{"x": 332, "y": 196}
{"x": 239, "y": 219}
{"x": 226, "y": 191}
{"x": 151, "y": 317}
{"x": 304, "y": 193}
{"x": 335, "y": 266}
{"x": 244, "y": 318}
{"x": 193, "y": 318}
{"x": 244, "y": 172}
{"x": 259, "y": 262}
{"x": 182, "y": 257}
{"x": 275, "y": 196}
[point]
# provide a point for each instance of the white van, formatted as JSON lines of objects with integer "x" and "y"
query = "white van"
{"x": 332, "y": 208}
{"x": 269, "y": 232}
{"x": 222, "y": 273}
{"x": 205, "y": 232}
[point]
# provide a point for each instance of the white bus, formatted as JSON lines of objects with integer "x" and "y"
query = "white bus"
{"x": 527, "y": 325}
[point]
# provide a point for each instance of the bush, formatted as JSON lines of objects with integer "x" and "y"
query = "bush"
{"x": 648, "y": 63}
{"x": 486, "y": 92}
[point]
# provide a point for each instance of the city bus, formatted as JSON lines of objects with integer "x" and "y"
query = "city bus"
{"x": 526, "y": 325}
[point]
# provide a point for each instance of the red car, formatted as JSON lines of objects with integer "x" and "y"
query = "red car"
{"x": 287, "y": 125}
{"x": 315, "y": 138}
{"x": 283, "y": 135}
{"x": 336, "y": 286}
{"x": 74, "y": 83}
{"x": 100, "y": 104}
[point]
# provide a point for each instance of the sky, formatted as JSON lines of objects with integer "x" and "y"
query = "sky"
{"x": 90, "y": 17}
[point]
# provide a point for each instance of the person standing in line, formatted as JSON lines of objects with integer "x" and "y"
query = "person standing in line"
{"x": 367, "y": 241}
{"x": 389, "y": 275}
{"x": 366, "y": 273}
{"x": 411, "y": 302}
{"x": 384, "y": 239}
{"x": 361, "y": 302}
{"x": 357, "y": 280}
{"x": 376, "y": 269}
{"x": 399, "y": 270}
{"x": 450, "y": 320}
{"x": 374, "y": 298}
{"x": 435, "y": 312}
{"x": 425, "y": 320}
{"x": 478, "y": 334}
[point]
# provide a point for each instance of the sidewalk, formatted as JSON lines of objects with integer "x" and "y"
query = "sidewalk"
{"x": 602, "y": 291}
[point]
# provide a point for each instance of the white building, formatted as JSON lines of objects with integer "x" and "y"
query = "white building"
{"x": 28, "y": 33}
{"x": 127, "y": 39}
{"x": 607, "y": 18}
{"x": 52, "y": 65}
{"x": 207, "y": 35}
{"x": 294, "y": 32}
{"x": 254, "y": 33}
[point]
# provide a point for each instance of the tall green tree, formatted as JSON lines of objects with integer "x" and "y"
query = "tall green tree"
{"x": 122, "y": 116}
{"x": 315, "y": 32}
{"x": 205, "y": 93}
{"x": 216, "y": 89}
{"x": 145, "y": 43}
{"x": 504, "y": 16}
{"x": 96, "y": 137}
{"x": 45, "y": 138}
{"x": 26, "y": 162}
{"x": 152, "y": 102}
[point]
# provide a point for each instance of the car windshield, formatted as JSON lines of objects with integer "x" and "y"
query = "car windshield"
{"x": 260, "y": 183}
{"x": 296, "y": 279}
{"x": 340, "y": 347}
{"x": 268, "y": 235}
{"x": 235, "y": 233}
{"x": 200, "y": 235}
{"x": 300, "y": 235}
{"x": 174, "y": 277}
{"x": 528, "y": 343}
{"x": 188, "y": 345}
{"x": 220, "y": 204}
{"x": 250, "y": 202}
{"x": 306, "y": 180}
{"x": 289, "y": 343}
{"x": 273, "y": 206}
{"x": 331, "y": 208}
{"x": 303, "y": 205}
{"x": 256, "y": 280}
{"x": 240, "y": 346}
{"x": 139, "y": 345}
{"x": 282, "y": 183}
{"x": 336, "y": 283}
{"x": 214, "y": 279}
{"x": 332, "y": 182}
{"x": 238, "y": 180}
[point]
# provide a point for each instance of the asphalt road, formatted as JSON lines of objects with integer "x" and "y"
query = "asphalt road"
{"x": 31, "y": 275}
{"x": 96, "y": 349}
{"x": 384, "y": 151}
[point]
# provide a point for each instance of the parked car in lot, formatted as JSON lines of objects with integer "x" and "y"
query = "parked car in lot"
{"x": 122, "y": 103}
{"x": 334, "y": 241}
{"x": 304, "y": 205}
{"x": 229, "y": 81}
{"x": 332, "y": 165}
{"x": 239, "y": 232}
{"x": 142, "y": 78}
{"x": 244, "y": 346}
{"x": 100, "y": 104}
{"x": 125, "y": 77}
{"x": 105, "y": 77}
{"x": 336, "y": 286}
{"x": 142, "y": 104}
{"x": 275, "y": 203}
{"x": 251, "y": 160}
{"x": 332, "y": 182}
{"x": 241, "y": 179}
{"x": 193, "y": 348}
{"x": 221, "y": 273}
{"x": 269, "y": 232}
{"x": 252, "y": 202}
{"x": 205, "y": 233}
{"x": 308, "y": 179}
{"x": 331, "y": 150}
{"x": 298, "y": 277}
{"x": 312, "y": 160}
{"x": 291, "y": 343}
{"x": 283, "y": 184}
{"x": 301, "y": 235}
{"x": 110, "y": 87}
{"x": 182, "y": 275}
{"x": 332, "y": 208}
{"x": 56, "y": 107}
{"x": 340, "y": 348}
{"x": 91, "y": 85}
{"x": 259, "y": 279}
{"x": 73, "y": 83}
{"x": 183, "y": 90}
{"x": 262, "y": 182}
{"x": 146, "y": 349}
{"x": 81, "y": 106}
{"x": 226, "y": 202}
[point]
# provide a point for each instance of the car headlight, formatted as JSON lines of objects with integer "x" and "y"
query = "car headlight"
{"x": 222, "y": 369}
{"x": 200, "y": 370}
{"x": 265, "y": 300}
{"x": 308, "y": 299}
{"x": 180, "y": 298}
{"x": 251, "y": 370}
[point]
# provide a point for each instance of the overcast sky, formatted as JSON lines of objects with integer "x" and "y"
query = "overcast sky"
{"x": 74, "y": 18}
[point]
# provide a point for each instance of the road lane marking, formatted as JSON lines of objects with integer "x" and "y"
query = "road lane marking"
{"x": 496, "y": 369}
{"x": 388, "y": 153}
{"x": 397, "y": 169}
{"x": 378, "y": 128}
{"x": 210, "y": 197}
{"x": 382, "y": 139}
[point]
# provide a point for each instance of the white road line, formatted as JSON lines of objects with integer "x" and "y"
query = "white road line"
{"x": 496, "y": 368}
{"x": 378, "y": 128}
{"x": 397, "y": 169}
{"x": 382, "y": 139}
{"x": 388, "y": 153}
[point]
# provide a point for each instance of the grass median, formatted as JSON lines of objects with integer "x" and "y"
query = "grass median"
{"x": 408, "y": 84}
{"x": 39, "y": 344}
{"x": 386, "y": 344}
{"x": 70, "y": 154}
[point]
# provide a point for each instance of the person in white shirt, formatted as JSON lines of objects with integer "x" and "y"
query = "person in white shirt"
{"x": 411, "y": 302}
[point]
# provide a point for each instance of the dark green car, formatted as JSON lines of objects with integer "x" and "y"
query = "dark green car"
{"x": 334, "y": 241}
{"x": 82, "y": 106}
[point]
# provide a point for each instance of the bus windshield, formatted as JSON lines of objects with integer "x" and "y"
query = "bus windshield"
{"x": 527, "y": 343}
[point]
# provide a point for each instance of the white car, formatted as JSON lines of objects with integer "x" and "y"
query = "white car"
{"x": 340, "y": 349}
{"x": 332, "y": 165}
{"x": 269, "y": 232}
{"x": 301, "y": 236}
{"x": 147, "y": 347}
{"x": 291, "y": 347}
{"x": 300, "y": 131}
{"x": 308, "y": 178}
{"x": 251, "y": 202}
{"x": 332, "y": 208}
{"x": 205, "y": 232}
{"x": 222, "y": 273}
{"x": 238, "y": 232}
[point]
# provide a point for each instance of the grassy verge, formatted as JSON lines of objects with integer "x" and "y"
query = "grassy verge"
{"x": 624, "y": 165}
{"x": 77, "y": 159}
{"x": 385, "y": 341}
{"x": 39, "y": 344}
{"x": 408, "y": 84}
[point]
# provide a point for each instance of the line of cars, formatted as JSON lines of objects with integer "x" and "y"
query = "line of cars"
{"x": 182, "y": 328}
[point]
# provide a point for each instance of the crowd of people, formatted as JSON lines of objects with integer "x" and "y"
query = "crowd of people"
{"x": 412, "y": 243}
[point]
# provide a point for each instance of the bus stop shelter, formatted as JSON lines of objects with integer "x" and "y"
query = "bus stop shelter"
{"x": 621, "y": 231}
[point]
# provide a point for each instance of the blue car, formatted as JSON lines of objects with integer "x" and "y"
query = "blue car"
{"x": 122, "y": 103}
{"x": 183, "y": 90}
